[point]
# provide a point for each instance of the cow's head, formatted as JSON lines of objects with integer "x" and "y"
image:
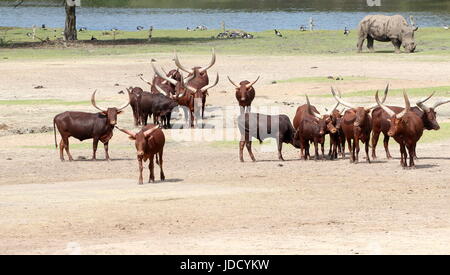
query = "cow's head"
{"x": 140, "y": 139}
{"x": 198, "y": 94}
{"x": 325, "y": 122}
{"x": 362, "y": 114}
{"x": 408, "y": 41}
{"x": 396, "y": 121}
{"x": 111, "y": 112}
{"x": 200, "y": 74}
{"x": 429, "y": 116}
{"x": 243, "y": 88}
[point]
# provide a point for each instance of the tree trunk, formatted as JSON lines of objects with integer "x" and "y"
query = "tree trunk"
{"x": 70, "y": 30}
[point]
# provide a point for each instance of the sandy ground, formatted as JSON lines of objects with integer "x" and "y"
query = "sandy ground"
{"x": 210, "y": 202}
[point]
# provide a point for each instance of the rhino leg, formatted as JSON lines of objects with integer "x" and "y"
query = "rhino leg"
{"x": 397, "y": 44}
{"x": 370, "y": 43}
{"x": 361, "y": 39}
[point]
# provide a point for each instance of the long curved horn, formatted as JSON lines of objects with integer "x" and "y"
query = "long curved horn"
{"x": 407, "y": 106}
{"x": 341, "y": 101}
{"x": 181, "y": 67}
{"x": 384, "y": 107}
{"x": 213, "y": 61}
{"x": 95, "y": 104}
{"x": 123, "y": 106}
{"x": 159, "y": 89}
{"x": 231, "y": 81}
{"x": 128, "y": 132}
{"x": 253, "y": 83}
{"x": 211, "y": 86}
{"x": 163, "y": 76}
{"x": 382, "y": 101}
{"x": 442, "y": 102}
{"x": 421, "y": 103}
{"x": 318, "y": 116}
{"x": 334, "y": 108}
{"x": 145, "y": 80}
{"x": 149, "y": 131}
{"x": 164, "y": 71}
{"x": 187, "y": 79}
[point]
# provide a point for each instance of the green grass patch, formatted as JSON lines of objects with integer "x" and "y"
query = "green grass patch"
{"x": 414, "y": 92}
{"x": 18, "y": 45}
{"x": 322, "y": 79}
{"x": 43, "y": 102}
{"x": 434, "y": 136}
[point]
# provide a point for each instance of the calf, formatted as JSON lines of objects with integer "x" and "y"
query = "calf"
{"x": 148, "y": 142}
{"x": 82, "y": 126}
{"x": 158, "y": 105}
{"x": 406, "y": 128}
{"x": 245, "y": 93}
{"x": 259, "y": 126}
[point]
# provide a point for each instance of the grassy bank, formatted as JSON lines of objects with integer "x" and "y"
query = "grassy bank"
{"x": 16, "y": 44}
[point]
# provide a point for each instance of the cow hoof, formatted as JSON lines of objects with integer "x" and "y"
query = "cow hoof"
{"x": 140, "y": 183}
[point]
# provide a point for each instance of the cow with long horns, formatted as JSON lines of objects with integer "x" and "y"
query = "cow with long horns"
{"x": 82, "y": 126}
{"x": 200, "y": 76}
{"x": 149, "y": 142}
{"x": 245, "y": 93}
{"x": 380, "y": 123}
{"x": 357, "y": 126}
{"x": 406, "y": 128}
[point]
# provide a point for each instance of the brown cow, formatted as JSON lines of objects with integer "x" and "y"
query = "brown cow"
{"x": 149, "y": 142}
{"x": 337, "y": 139}
{"x": 168, "y": 87}
{"x": 200, "y": 76}
{"x": 135, "y": 95}
{"x": 356, "y": 125}
{"x": 380, "y": 123}
{"x": 81, "y": 125}
{"x": 406, "y": 128}
{"x": 245, "y": 93}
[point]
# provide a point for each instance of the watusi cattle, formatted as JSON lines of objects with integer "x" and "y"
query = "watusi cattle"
{"x": 406, "y": 128}
{"x": 149, "y": 142}
{"x": 245, "y": 93}
{"x": 157, "y": 105}
{"x": 135, "y": 95}
{"x": 82, "y": 126}
{"x": 259, "y": 126}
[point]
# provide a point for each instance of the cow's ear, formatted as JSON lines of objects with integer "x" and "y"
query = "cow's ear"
{"x": 131, "y": 138}
{"x": 105, "y": 113}
{"x": 119, "y": 112}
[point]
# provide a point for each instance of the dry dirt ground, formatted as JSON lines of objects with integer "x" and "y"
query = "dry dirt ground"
{"x": 210, "y": 202}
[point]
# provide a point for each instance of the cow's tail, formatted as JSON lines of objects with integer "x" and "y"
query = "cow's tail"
{"x": 54, "y": 133}
{"x": 157, "y": 159}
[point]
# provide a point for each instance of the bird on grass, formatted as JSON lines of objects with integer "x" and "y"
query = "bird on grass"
{"x": 346, "y": 31}
{"x": 139, "y": 28}
{"x": 277, "y": 33}
{"x": 302, "y": 28}
{"x": 93, "y": 38}
{"x": 445, "y": 27}
{"x": 82, "y": 29}
{"x": 114, "y": 29}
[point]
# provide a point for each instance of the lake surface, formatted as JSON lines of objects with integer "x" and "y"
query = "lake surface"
{"x": 250, "y": 15}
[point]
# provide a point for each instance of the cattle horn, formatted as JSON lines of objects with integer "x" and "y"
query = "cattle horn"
{"x": 407, "y": 106}
{"x": 204, "y": 89}
{"x": 253, "y": 83}
{"x": 334, "y": 108}
{"x": 442, "y": 102}
{"x": 384, "y": 107}
{"x": 95, "y": 104}
{"x": 213, "y": 61}
{"x": 159, "y": 89}
{"x": 177, "y": 62}
{"x": 163, "y": 76}
{"x": 421, "y": 103}
{"x": 128, "y": 132}
{"x": 149, "y": 131}
{"x": 382, "y": 101}
{"x": 340, "y": 100}
{"x": 145, "y": 80}
{"x": 318, "y": 116}
{"x": 231, "y": 81}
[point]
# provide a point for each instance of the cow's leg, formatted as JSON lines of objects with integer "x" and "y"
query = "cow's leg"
{"x": 94, "y": 149}
{"x": 342, "y": 140}
{"x": 322, "y": 148}
{"x": 386, "y": 146}
{"x": 367, "y": 149}
{"x": 375, "y": 137}
{"x": 411, "y": 148}
{"x": 308, "y": 155}
{"x": 105, "y": 144}
{"x": 361, "y": 39}
{"x": 350, "y": 149}
{"x": 370, "y": 44}
{"x": 248, "y": 144}
{"x": 249, "y": 109}
{"x": 403, "y": 155}
{"x": 160, "y": 163}
{"x": 151, "y": 167}
{"x": 61, "y": 150}
{"x": 203, "y": 106}
{"x": 330, "y": 152}
{"x": 397, "y": 44}
{"x": 66, "y": 146}
{"x": 241, "y": 150}
{"x": 280, "y": 146}
{"x": 242, "y": 109}
{"x": 192, "y": 119}
{"x": 141, "y": 167}
{"x": 357, "y": 149}
{"x": 169, "y": 117}
{"x": 316, "y": 150}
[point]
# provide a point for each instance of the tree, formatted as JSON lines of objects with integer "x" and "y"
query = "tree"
{"x": 70, "y": 29}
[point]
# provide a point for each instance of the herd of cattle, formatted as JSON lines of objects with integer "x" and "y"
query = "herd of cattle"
{"x": 169, "y": 90}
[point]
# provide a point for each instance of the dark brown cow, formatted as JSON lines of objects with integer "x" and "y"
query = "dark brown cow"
{"x": 259, "y": 126}
{"x": 82, "y": 126}
{"x": 406, "y": 128}
{"x": 337, "y": 139}
{"x": 200, "y": 76}
{"x": 135, "y": 95}
{"x": 311, "y": 127}
{"x": 149, "y": 142}
{"x": 357, "y": 126}
{"x": 245, "y": 93}
{"x": 380, "y": 123}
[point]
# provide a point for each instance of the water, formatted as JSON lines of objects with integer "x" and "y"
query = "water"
{"x": 250, "y": 15}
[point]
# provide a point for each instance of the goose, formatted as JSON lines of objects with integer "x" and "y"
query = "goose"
{"x": 277, "y": 33}
{"x": 346, "y": 31}
{"x": 139, "y": 28}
